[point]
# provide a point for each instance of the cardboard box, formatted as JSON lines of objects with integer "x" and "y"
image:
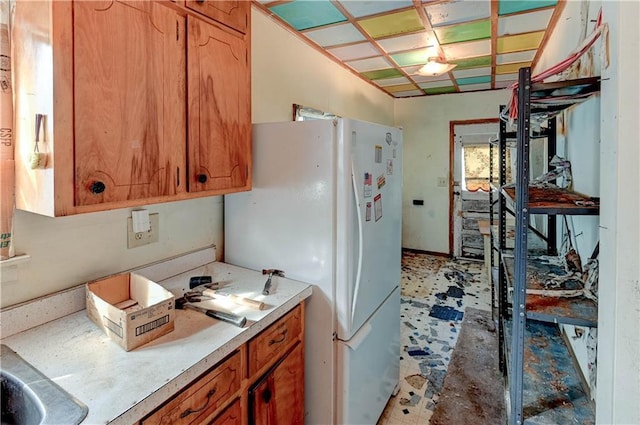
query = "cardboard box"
{"x": 130, "y": 308}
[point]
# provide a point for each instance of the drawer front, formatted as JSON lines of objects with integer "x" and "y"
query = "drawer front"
{"x": 271, "y": 344}
{"x": 203, "y": 396}
{"x": 232, "y": 415}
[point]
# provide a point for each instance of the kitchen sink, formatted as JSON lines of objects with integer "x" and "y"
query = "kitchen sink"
{"x": 29, "y": 397}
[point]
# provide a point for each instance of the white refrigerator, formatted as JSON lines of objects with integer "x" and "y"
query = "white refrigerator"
{"x": 326, "y": 208}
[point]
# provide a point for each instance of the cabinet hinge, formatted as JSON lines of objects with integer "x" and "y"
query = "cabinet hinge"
{"x": 177, "y": 176}
{"x": 177, "y": 30}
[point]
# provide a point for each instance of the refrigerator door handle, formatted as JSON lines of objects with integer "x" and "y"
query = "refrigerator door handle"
{"x": 360, "y": 232}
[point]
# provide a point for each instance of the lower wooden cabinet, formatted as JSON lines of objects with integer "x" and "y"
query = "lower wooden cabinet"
{"x": 278, "y": 398}
{"x": 202, "y": 397}
{"x": 232, "y": 415}
{"x": 262, "y": 382}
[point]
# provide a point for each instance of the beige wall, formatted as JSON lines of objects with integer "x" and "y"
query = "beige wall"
{"x": 619, "y": 287}
{"x": 67, "y": 251}
{"x": 426, "y": 158}
{"x": 287, "y": 70}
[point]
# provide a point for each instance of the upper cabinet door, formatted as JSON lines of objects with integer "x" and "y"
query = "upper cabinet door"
{"x": 233, "y": 13}
{"x": 129, "y": 101}
{"x": 219, "y": 109}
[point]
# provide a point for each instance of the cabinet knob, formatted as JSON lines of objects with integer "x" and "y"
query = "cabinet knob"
{"x": 266, "y": 395}
{"x": 202, "y": 178}
{"x": 97, "y": 187}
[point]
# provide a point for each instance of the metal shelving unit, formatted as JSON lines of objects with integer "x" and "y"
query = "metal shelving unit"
{"x": 528, "y": 322}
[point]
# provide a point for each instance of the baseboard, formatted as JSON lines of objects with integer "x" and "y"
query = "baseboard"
{"x": 419, "y": 251}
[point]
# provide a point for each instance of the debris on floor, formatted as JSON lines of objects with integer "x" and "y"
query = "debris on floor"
{"x": 434, "y": 294}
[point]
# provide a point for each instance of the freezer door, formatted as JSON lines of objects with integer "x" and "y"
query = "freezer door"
{"x": 369, "y": 222}
{"x": 369, "y": 366}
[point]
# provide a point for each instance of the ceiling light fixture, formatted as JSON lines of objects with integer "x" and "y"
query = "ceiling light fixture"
{"x": 435, "y": 66}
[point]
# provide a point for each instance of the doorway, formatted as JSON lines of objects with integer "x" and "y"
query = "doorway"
{"x": 469, "y": 184}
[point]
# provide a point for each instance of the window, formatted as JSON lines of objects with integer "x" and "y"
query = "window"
{"x": 475, "y": 167}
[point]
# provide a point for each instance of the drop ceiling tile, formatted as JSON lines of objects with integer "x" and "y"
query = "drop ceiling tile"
{"x": 354, "y": 51}
{"x": 525, "y": 22}
{"x": 382, "y": 73}
{"x": 409, "y": 93}
{"x": 526, "y": 56}
{"x": 435, "y": 84}
{"x": 507, "y": 77}
{"x": 472, "y": 72}
{"x": 400, "y": 88}
{"x": 466, "y": 50}
{"x": 520, "y": 42}
{"x": 391, "y": 81}
{"x": 474, "y": 80}
{"x": 472, "y": 62}
{"x": 408, "y": 42}
{"x": 456, "y": 12}
{"x": 504, "y": 84}
{"x": 464, "y": 32}
{"x": 370, "y": 64}
{"x": 510, "y": 68}
{"x": 359, "y": 8}
{"x": 335, "y": 35}
{"x": 303, "y": 15}
{"x": 414, "y": 57}
{"x": 475, "y": 87}
{"x": 440, "y": 90}
{"x": 395, "y": 23}
{"x": 510, "y": 6}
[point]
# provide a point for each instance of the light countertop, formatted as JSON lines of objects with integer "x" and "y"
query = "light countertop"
{"x": 122, "y": 387}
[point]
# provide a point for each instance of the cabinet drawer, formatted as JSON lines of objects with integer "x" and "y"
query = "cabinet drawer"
{"x": 271, "y": 344}
{"x": 203, "y": 396}
{"x": 232, "y": 13}
{"x": 232, "y": 415}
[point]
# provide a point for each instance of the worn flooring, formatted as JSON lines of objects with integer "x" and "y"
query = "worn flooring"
{"x": 434, "y": 293}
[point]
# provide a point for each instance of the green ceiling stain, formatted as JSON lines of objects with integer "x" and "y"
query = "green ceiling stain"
{"x": 464, "y": 32}
{"x": 472, "y": 62}
{"x": 382, "y": 73}
{"x": 474, "y": 80}
{"x": 305, "y": 14}
{"x": 414, "y": 57}
{"x": 506, "y": 7}
{"x": 440, "y": 90}
{"x": 393, "y": 24}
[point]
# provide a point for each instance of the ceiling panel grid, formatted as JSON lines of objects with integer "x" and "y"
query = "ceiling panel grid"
{"x": 387, "y": 42}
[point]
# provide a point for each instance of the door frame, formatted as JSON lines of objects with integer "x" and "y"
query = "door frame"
{"x": 452, "y": 125}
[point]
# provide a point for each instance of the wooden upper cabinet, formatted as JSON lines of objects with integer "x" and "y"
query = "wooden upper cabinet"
{"x": 129, "y": 101}
{"x": 233, "y": 13}
{"x": 144, "y": 102}
{"x": 219, "y": 111}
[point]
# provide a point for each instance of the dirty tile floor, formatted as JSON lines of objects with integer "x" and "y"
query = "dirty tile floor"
{"x": 434, "y": 293}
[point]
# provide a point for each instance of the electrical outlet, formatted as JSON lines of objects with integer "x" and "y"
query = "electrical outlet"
{"x": 135, "y": 240}
{"x": 442, "y": 182}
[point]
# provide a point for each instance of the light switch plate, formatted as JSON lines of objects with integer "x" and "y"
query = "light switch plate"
{"x": 442, "y": 182}
{"x": 135, "y": 240}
